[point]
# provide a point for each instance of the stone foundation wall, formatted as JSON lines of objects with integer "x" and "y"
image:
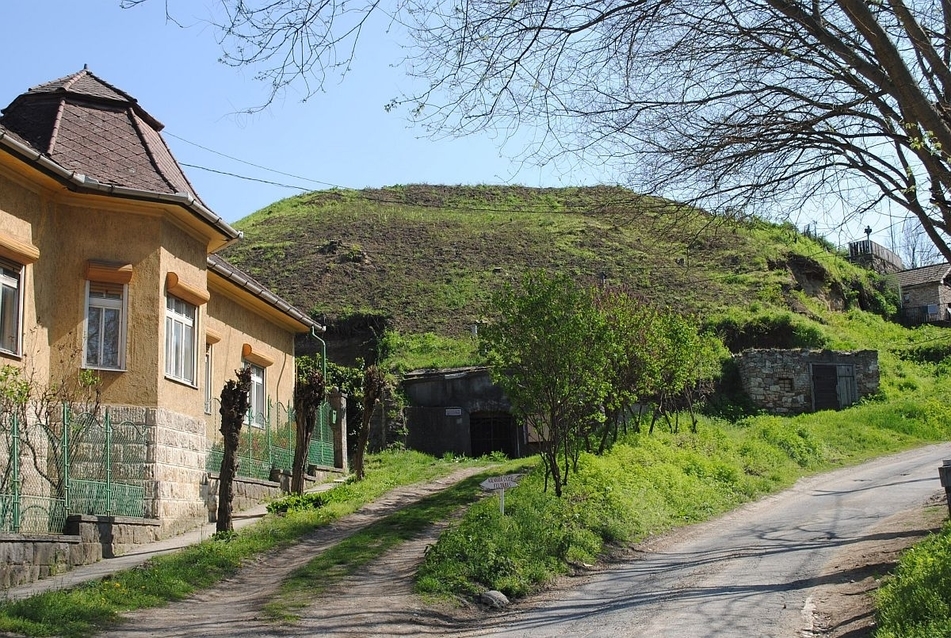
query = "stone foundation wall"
{"x": 110, "y": 536}
{"x": 249, "y": 492}
{"x": 26, "y": 559}
{"x": 177, "y": 456}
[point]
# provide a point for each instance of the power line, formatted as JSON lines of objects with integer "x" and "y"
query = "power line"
{"x": 238, "y": 159}
{"x": 245, "y": 177}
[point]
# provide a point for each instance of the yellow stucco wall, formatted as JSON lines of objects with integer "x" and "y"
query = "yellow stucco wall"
{"x": 184, "y": 256}
{"x": 69, "y": 229}
{"x": 236, "y": 326}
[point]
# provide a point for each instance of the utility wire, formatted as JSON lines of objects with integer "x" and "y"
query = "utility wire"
{"x": 238, "y": 159}
{"x": 244, "y": 177}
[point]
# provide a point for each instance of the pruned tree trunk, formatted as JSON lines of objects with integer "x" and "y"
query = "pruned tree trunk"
{"x": 235, "y": 402}
{"x": 372, "y": 391}
{"x": 308, "y": 397}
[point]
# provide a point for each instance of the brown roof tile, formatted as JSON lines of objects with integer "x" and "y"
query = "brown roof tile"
{"x": 924, "y": 275}
{"x": 83, "y": 83}
{"x": 88, "y": 126}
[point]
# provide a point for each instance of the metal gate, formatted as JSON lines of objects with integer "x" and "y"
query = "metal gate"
{"x": 31, "y": 480}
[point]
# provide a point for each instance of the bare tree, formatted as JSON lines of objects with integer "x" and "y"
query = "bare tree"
{"x": 235, "y": 402}
{"x": 733, "y": 104}
{"x": 308, "y": 397}
{"x": 914, "y": 248}
{"x": 374, "y": 382}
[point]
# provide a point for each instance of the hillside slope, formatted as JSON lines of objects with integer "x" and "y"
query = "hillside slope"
{"x": 426, "y": 258}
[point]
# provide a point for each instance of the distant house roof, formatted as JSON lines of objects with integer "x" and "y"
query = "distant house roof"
{"x": 241, "y": 279}
{"x": 925, "y": 275}
{"x": 96, "y": 138}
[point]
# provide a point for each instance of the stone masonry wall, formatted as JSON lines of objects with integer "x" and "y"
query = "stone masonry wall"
{"x": 177, "y": 456}
{"x": 109, "y": 536}
{"x": 780, "y": 381}
{"x": 174, "y": 466}
{"x": 26, "y": 559}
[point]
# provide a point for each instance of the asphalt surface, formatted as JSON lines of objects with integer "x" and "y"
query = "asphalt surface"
{"x": 749, "y": 573}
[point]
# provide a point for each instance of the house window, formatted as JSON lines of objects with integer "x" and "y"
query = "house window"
{"x": 257, "y": 411}
{"x": 10, "y": 306}
{"x": 785, "y": 384}
{"x": 208, "y": 376}
{"x": 105, "y": 325}
{"x": 180, "y": 355}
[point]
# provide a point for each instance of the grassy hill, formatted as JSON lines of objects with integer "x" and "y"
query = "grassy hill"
{"x": 425, "y": 259}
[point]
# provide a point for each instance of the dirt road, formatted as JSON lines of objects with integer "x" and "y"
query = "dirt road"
{"x": 794, "y": 564}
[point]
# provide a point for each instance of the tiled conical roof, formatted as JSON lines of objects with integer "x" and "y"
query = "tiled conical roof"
{"x": 88, "y": 126}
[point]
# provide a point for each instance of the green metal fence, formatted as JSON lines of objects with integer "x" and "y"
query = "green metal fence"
{"x": 268, "y": 443}
{"x": 76, "y": 464}
{"x": 106, "y": 468}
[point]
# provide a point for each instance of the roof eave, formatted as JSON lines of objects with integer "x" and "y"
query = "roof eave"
{"x": 81, "y": 182}
{"x": 238, "y": 279}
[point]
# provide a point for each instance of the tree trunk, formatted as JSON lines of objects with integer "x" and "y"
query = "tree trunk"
{"x": 308, "y": 397}
{"x": 234, "y": 406}
{"x": 372, "y": 391}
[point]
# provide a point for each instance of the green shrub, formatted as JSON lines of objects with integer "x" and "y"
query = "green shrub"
{"x": 796, "y": 441}
{"x": 296, "y": 502}
{"x": 915, "y": 602}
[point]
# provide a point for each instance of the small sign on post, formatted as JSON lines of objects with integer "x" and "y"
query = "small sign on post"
{"x": 944, "y": 473}
{"x": 500, "y": 484}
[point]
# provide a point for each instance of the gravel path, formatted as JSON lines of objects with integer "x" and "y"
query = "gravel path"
{"x": 233, "y": 607}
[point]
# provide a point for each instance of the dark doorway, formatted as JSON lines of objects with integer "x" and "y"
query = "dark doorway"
{"x": 825, "y": 394}
{"x": 493, "y": 432}
{"x": 833, "y": 386}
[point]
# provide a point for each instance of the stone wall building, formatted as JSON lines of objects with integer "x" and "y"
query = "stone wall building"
{"x": 803, "y": 380}
{"x": 926, "y": 294}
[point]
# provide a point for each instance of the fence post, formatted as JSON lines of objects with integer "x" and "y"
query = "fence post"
{"x": 267, "y": 436}
{"x": 108, "y": 427}
{"x": 249, "y": 470}
{"x": 15, "y": 523}
{"x": 66, "y": 415}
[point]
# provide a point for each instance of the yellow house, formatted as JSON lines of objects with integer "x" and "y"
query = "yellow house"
{"x": 108, "y": 264}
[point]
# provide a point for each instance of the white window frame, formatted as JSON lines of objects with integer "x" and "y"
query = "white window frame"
{"x": 122, "y": 305}
{"x": 257, "y": 414}
{"x": 189, "y": 326}
{"x": 209, "y": 370}
{"x": 11, "y": 277}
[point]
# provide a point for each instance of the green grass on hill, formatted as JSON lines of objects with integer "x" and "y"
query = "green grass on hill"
{"x": 915, "y": 602}
{"x": 429, "y": 257}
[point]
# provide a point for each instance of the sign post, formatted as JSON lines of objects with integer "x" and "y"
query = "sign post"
{"x": 499, "y": 484}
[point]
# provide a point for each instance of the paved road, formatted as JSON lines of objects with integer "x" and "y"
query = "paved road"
{"x": 747, "y": 574}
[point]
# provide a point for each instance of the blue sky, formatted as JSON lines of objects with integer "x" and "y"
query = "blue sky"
{"x": 342, "y": 137}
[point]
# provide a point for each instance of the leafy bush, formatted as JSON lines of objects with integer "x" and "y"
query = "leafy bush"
{"x": 798, "y": 443}
{"x": 915, "y": 602}
{"x": 767, "y": 329}
{"x": 296, "y": 502}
